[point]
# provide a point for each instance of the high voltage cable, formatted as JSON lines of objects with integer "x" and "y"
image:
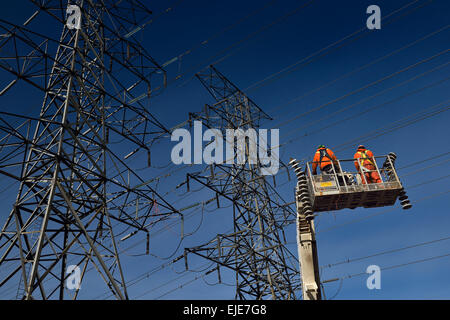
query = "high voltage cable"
{"x": 427, "y": 159}
{"x": 160, "y": 286}
{"x": 430, "y": 166}
{"x": 326, "y": 281}
{"x": 385, "y": 23}
{"x": 407, "y": 121}
{"x": 376, "y": 134}
{"x": 434, "y": 195}
{"x": 217, "y": 34}
{"x": 246, "y": 38}
{"x": 143, "y": 25}
{"x": 187, "y": 283}
{"x": 371, "y": 97}
{"x": 384, "y": 252}
{"x": 365, "y": 111}
{"x": 348, "y": 144}
{"x": 395, "y": 51}
{"x": 359, "y": 69}
{"x": 188, "y": 51}
{"x": 286, "y": 69}
{"x": 389, "y": 76}
{"x": 387, "y": 210}
{"x": 428, "y": 182}
{"x": 147, "y": 274}
{"x": 251, "y": 35}
{"x": 389, "y": 267}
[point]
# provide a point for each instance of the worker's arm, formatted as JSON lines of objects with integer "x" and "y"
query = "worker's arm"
{"x": 370, "y": 155}
{"x": 332, "y": 155}
{"x": 334, "y": 159}
{"x": 356, "y": 157}
{"x": 315, "y": 163}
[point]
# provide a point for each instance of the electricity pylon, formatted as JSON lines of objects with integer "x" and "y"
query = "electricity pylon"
{"x": 76, "y": 191}
{"x": 255, "y": 250}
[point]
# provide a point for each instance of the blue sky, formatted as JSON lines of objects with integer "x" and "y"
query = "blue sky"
{"x": 286, "y": 98}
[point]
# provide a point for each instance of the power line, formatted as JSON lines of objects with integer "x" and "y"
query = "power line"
{"x": 408, "y": 120}
{"x": 291, "y": 68}
{"x": 430, "y": 181}
{"x": 384, "y": 252}
{"x": 173, "y": 280}
{"x": 434, "y": 195}
{"x": 430, "y": 166}
{"x": 150, "y": 21}
{"x": 424, "y": 160}
{"x": 217, "y": 34}
{"x": 374, "y": 133}
{"x": 389, "y": 267}
{"x": 389, "y": 76}
{"x": 387, "y": 210}
{"x": 410, "y": 93}
{"x": 186, "y": 283}
{"x": 243, "y": 40}
{"x": 360, "y": 68}
{"x": 276, "y": 21}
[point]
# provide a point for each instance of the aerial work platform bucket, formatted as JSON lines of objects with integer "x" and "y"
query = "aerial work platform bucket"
{"x": 345, "y": 187}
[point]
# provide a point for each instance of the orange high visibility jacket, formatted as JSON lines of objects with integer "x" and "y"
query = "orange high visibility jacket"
{"x": 366, "y": 157}
{"x": 325, "y": 161}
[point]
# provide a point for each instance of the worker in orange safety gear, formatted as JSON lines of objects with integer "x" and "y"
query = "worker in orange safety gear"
{"x": 367, "y": 161}
{"x": 323, "y": 159}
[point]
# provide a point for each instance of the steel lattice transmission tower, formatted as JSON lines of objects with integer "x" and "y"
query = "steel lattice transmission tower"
{"x": 256, "y": 249}
{"x": 77, "y": 191}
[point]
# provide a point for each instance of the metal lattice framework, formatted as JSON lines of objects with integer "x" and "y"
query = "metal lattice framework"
{"x": 74, "y": 188}
{"x": 256, "y": 249}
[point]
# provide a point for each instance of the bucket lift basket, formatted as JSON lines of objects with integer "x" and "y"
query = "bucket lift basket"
{"x": 344, "y": 187}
